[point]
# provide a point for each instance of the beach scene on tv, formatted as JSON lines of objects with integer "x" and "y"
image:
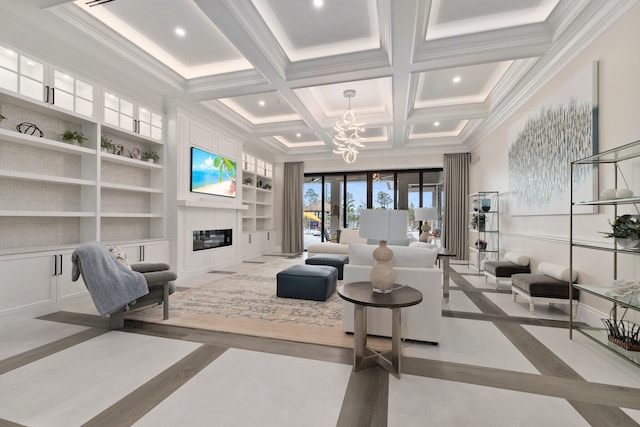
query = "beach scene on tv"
{"x": 211, "y": 174}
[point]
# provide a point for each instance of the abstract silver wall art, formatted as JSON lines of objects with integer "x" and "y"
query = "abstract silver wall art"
{"x": 543, "y": 146}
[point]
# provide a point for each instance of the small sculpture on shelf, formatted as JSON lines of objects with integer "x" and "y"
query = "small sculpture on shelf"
{"x": 118, "y": 149}
{"x": 29, "y": 129}
{"x": 248, "y": 181}
{"x": 267, "y": 186}
{"x": 478, "y": 222}
{"x": 150, "y": 156}
{"x": 481, "y": 245}
{"x": 74, "y": 137}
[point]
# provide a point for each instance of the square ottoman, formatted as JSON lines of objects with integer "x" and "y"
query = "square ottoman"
{"x": 333, "y": 260}
{"x": 310, "y": 282}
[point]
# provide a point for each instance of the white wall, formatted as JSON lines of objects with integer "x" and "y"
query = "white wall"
{"x": 545, "y": 238}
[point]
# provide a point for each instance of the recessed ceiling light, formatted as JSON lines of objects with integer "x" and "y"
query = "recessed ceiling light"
{"x": 298, "y": 135}
{"x": 457, "y": 79}
{"x": 261, "y": 103}
{"x": 180, "y": 32}
{"x": 436, "y": 124}
{"x": 318, "y": 3}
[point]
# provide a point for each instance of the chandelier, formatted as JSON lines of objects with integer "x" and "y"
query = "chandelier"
{"x": 347, "y": 136}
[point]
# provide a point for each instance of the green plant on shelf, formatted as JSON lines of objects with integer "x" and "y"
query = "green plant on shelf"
{"x": 625, "y": 227}
{"x": 106, "y": 143}
{"x": 150, "y": 155}
{"x": 248, "y": 181}
{"x": 2, "y": 117}
{"x": 74, "y": 137}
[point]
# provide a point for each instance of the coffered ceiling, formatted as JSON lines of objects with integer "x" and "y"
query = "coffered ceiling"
{"x": 429, "y": 75}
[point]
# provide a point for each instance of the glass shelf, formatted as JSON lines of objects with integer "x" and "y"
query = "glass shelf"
{"x": 631, "y": 301}
{"x": 600, "y": 336}
{"x": 628, "y": 151}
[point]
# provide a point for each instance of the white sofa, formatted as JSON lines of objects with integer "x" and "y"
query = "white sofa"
{"x": 415, "y": 267}
{"x": 347, "y": 236}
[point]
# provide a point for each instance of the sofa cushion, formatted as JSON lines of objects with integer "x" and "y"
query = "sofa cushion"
{"x": 418, "y": 244}
{"x": 400, "y": 242}
{"x": 403, "y": 256}
{"x": 349, "y": 235}
{"x": 556, "y": 271}
{"x": 516, "y": 258}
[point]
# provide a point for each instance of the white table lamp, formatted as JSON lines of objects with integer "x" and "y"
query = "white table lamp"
{"x": 425, "y": 215}
{"x": 383, "y": 225}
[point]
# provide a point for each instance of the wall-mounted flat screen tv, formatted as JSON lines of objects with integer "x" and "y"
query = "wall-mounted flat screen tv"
{"x": 212, "y": 174}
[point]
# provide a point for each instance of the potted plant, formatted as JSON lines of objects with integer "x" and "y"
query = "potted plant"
{"x": 74, "y": 137}
{"x": 248, "y": 181}
{"x": 106, "y": 144}
{"x": 626, "y": 231}
{"x": 478, "y": 222}
{"x": 150, "y": 156}
{"x": 2, "y": 117}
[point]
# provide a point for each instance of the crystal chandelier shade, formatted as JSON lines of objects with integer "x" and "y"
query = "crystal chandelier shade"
{"x": 347, "y": 136}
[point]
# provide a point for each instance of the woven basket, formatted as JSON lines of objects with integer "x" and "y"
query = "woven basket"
{"x": 623, "y": 333}
{"x": 626, "y": 345}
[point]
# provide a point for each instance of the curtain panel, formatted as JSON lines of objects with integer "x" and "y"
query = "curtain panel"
{"x": 456, "y": 184}
{"x": 293, "y": 239}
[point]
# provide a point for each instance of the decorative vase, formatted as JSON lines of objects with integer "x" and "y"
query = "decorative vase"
{"x": 474, "y": 203}
{"x": 486, "y": 205}
{"x": 382, "y": 274}
{"x": 628, "y": 243}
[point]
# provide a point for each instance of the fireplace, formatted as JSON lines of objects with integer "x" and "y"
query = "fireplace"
{"x": 210, "y": 239}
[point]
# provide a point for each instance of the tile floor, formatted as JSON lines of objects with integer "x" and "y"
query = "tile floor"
{"x": 488, "y": 371}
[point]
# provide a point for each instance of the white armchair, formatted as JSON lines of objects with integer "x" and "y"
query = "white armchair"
{"x": 414, "y": 267}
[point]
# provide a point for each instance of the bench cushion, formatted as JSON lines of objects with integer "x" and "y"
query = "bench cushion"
{"x": 504, "y": 268}
{"x": 539, "y": 285}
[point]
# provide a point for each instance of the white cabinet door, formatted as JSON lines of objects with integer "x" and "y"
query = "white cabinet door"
{"x": 271, "y": 240}
{"x": 36, "y": 80}
{"x": 28, "y": 281}
{"x": 62, "y": 270}
{"x": 146, "y": 252}
{"x": 128, "y": 115}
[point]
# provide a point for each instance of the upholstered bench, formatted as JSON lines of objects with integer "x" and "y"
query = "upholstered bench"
{"x": 551, "y": 285}
{"x": 310, "y": 282}
{"x": 334, "y": 260}
{"x": 503, "y": 270}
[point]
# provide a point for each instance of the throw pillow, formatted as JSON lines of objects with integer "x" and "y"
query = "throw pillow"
{"x": 415, "y": 257}
{"x": 516, "y": 259}
{"x": 120, "y": 255}
{"x": 557, "y": 272}
{"x": 361, "y": 254}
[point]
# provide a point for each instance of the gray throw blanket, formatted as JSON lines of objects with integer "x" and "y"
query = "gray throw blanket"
{"x": 110, "y": 283}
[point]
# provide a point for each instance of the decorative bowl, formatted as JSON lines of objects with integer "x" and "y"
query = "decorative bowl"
{"x": 628, "y": 243}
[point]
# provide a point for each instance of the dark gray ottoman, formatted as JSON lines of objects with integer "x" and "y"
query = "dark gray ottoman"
{"x": 311, "y": 282}
{"x": 334, "y": 260}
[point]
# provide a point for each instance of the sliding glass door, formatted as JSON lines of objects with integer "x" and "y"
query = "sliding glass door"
{"x": 334, "y": 200}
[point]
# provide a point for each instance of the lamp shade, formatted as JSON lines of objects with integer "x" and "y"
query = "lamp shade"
{"x": 426, "y": 214}
{"x": 382, "y": 224}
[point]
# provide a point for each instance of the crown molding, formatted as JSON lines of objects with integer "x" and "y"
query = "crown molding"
{"x": 227, "y": 85}
{"x": 593, "y": 20}
{"x": 119, "y": 45}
